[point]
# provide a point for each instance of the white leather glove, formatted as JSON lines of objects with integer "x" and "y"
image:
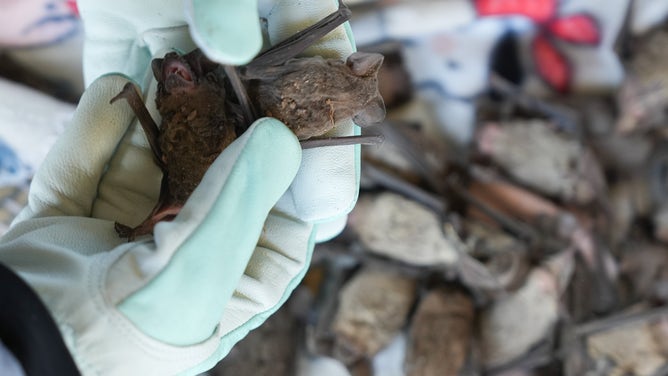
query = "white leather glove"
{"x": 177, "y": 302}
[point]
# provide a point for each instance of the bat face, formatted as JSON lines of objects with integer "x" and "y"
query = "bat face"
{"x": 182, "y": 73}
{"x": 189, "y": 85}
{"x": 174, "y": 73}
{"x": 366, "y": 66}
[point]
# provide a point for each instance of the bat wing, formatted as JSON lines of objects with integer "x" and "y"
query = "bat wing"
{"x": 259, "y": 72}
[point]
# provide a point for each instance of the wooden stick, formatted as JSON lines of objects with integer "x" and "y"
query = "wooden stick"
{"x": 294, "y": 45}
{"x": 342, "y": 141}
{"x": 562, "y": 117}
{"x": 614, "y": 321}
{"x": 393, "y": 183}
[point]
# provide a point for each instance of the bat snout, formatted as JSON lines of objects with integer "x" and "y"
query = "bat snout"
{"x": 373, "y": 113}
{"x": 177, "y": 75}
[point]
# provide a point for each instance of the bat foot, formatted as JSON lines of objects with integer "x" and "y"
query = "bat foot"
{"x": 128, "y": 93}
{"x": 131, "y": 233}
{"x": 124, "y": 231}
{"x": 146, "y": 228}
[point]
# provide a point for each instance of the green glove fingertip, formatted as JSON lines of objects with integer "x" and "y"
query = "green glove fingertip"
{"x": 227, "y": 31}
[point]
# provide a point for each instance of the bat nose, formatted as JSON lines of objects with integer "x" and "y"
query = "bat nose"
{"x": 373, "y": 113}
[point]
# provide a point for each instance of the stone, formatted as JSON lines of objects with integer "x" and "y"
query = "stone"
{"x": 393, "y": 226}
{"x": 373, "y": 307}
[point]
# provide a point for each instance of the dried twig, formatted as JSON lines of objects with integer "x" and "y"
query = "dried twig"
{"x": 563, "y": 118}
{"x": 615, "y": 321}
{"x": 394, "y": 134}
{"x": 342, "y": 141}
{"x": 396, "y": 184}
{"x": 516, "y": 227}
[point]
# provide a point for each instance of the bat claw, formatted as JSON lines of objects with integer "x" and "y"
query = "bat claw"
{"x": 146, "y": 227}
{"x": 124, "y": 231}
{"x": 131, "y": 233}
{"x": 127, "y": 93}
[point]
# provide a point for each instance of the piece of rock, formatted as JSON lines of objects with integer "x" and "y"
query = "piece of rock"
{"x": 629, "y": 199}
{"x": 659, "y": 330}
{"x": 633, "y": 349}
{"x": 440, "y": 333}
{"x": 512, "y": 325}
{"x": 643, "y": 97}
{"x": 645, "y": 267}
{"x": 543, "y": 159}
{"x": 373, "y": 307}
{"x": 391, "y": 225}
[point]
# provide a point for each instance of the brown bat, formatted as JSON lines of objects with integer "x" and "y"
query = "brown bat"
{"x": 205, "y": 106}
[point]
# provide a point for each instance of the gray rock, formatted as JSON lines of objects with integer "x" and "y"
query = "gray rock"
{"x": 391, "y": 225}
{"x": 373, "y": 307}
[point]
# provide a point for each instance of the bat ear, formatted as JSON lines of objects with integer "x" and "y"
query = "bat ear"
{"x": 156, "y": 67}
{"x": 373, "y": 113}
{"x": 364, "y": 64}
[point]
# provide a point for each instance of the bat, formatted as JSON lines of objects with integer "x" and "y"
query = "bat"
{"x": 205, "y": 106}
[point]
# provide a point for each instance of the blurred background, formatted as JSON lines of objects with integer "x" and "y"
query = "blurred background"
{"x": 514, "y": 221}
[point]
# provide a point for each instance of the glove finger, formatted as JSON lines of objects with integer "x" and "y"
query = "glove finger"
{"x": 327, "y": 230}
{"x": 208, "y": 245}
{"x": 277, "y": 266}
{"x": 228, "y": 31}
{"x": 67, "y": 182}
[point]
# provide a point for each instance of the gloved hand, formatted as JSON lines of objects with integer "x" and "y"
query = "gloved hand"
{"x": 176, "y": 302}
{"x": 179, "y": 301}
{"x": 124, "y": 36}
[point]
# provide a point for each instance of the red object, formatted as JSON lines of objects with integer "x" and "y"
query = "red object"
{"x": 538, "y": 10}
{"x": 576, "y": 28}
{"x": 72, "y": 4}
{"x": 551, "y": 65}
